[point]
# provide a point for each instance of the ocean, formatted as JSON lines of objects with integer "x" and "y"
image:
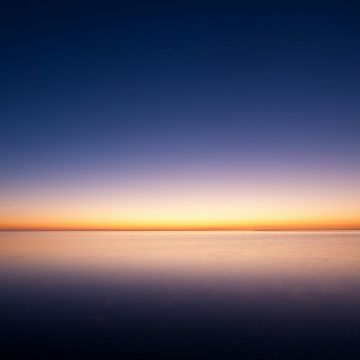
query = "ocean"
{"x": 180, "y": 294}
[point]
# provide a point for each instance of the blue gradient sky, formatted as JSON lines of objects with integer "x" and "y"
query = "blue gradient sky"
{"x": 108, "y": 110}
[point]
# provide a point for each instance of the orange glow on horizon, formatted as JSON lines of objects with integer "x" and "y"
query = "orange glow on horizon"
{"x": 228, "y": 200}
{"x": 182, "y": 226}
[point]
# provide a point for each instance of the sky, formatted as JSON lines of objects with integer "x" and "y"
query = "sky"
{"x": 179, "y": 115}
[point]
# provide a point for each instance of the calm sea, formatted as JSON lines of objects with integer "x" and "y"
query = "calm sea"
{"x": 150, "y": 295}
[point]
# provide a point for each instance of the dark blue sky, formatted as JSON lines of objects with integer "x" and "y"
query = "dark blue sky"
{"x": 140, "y": 85}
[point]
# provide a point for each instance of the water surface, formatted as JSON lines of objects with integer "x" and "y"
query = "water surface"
{"x": 146, "y": 295}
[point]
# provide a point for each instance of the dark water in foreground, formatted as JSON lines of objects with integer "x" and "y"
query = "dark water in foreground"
{"x": 201, "y": 295}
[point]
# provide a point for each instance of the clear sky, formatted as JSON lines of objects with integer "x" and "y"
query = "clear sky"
{"x": 179, "y": 114}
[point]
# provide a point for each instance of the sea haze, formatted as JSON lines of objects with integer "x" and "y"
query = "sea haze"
{"x": 185, "y": 294}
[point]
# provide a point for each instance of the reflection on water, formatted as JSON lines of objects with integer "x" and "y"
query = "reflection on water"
{"x": 133, "y": 294}
{"x": 325, "y": 257}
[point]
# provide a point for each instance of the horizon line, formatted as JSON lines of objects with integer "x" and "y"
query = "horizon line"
{"x": 356, "y": 228}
